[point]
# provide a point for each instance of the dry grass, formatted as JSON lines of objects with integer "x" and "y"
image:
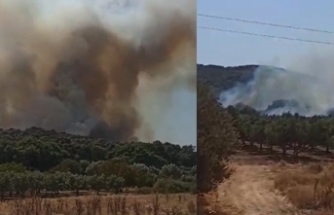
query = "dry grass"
{"x": 169, "y": 204}
{"x": 309, "y": 186}
{"x": 263, "y": 184}
{"x": 274, "y": 188}
{"x": 251, "y": 191}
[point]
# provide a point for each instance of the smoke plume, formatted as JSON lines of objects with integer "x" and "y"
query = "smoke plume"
{"x": 306, "y": 88}
{"x": 85, "y": 67}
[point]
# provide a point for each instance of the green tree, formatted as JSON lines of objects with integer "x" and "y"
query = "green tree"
{"x": 171, "y": 171}
{"x": 97, "y": 183}
{"x": 216, "y": 138}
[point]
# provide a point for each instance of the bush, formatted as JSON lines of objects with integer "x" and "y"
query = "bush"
{"x": 145, "y": 190}
{"x": 173, "y": 186}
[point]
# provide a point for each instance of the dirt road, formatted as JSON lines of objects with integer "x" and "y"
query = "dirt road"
{"x": 250, "y": 191}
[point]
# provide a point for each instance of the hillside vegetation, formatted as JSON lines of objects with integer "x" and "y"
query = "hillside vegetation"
{"x": 220, "y": 78}
{"x": 40, "y": 161}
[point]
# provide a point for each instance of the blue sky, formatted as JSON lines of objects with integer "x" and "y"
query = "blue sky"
{"x": 214, "y": 47}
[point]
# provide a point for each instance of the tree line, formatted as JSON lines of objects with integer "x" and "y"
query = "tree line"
{"x": 39, "y": 149}
{"x": 38, "y": 154}
{"x": 37, "y": 182}
{"x": 287, "y": 131}
{"x": 109, "y": 176}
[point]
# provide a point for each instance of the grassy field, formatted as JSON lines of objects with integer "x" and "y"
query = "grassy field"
{"x": 154, "y": 204}
{"x": 261, "y": 185}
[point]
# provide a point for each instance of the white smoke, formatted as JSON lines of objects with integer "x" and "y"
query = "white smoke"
{"x": 307, "y": 88}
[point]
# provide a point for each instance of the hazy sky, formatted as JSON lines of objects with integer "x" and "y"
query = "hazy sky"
{"x": 214, "y": 47}
{"x": 180, "y": 123}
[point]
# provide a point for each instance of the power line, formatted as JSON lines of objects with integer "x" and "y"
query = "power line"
{"x": 265, "y": 35}
{"x": 264, "y": 23}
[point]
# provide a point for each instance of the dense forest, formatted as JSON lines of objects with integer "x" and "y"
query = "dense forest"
{"x": 36, "y": 159}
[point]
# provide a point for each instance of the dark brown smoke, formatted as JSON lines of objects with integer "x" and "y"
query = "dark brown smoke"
{"x": 83, "y": 77}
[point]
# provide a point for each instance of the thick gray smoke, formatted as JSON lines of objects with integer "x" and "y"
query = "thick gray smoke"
{"x": 275, "y": 91}
{"x": 84, "y": 66}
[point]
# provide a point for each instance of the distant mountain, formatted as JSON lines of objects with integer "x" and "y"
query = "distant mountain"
{"x": 220, "y": 78}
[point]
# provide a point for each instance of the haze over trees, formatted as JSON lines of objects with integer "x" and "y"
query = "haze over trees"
{"x": 219, "y": 78}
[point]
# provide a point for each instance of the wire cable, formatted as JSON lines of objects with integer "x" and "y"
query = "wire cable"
{"x": 265, "y": 35}
{"x": 264, "y": 23}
